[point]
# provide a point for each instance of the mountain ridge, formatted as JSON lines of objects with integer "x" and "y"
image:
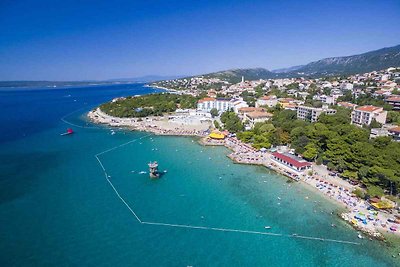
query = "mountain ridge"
{"x": 345, "y": 65}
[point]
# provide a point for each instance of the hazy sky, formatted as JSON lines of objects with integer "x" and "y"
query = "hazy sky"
{"x": 80, "y": 40}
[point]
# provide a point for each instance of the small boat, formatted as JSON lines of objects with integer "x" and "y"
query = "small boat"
{"x": 267, "y": 227}
{"x": 68, "y": 132}
{"x": 142, "y": 172}
{"x": 360, "y": 236}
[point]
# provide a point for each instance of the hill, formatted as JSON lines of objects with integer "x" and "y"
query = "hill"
{"x": 366, "y": 62}
{"x": 235, "y": 75}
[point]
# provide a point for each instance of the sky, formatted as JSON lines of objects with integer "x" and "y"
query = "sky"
{"x": 98, "y": 40}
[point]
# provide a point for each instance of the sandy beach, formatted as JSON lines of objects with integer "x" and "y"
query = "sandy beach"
{"x": 160, "y": 125}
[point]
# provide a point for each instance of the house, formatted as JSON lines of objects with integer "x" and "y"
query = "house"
{"x": 346, "y": 86}
{"x": 267, "y": 101}
{"x": 212, "y": 93}
{"x": 394, "y": 101}
{"x": 244, "y": 110}
{"x": 347, "y": 105}
{"x": 303, "y": 95}
{"x": 382, "y": 93}
{"x": 395, "y": 133}
{"x": 326, "y": 99}
{"x": 257, "y": 116}
{"x": 311, "y": 113}
{"x": 291, "y": 161}
{"x": 238, "y": 104}
{"x": 364, "y": 115}
{"x": 291, "y": 107}
{"x": 378, "y": 132}
{"x": 285, "y": 101}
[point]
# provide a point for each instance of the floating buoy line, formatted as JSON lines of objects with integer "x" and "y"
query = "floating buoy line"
{"x": 184, "y": 226}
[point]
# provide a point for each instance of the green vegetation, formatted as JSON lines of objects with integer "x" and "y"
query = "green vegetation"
{"x": 216, "y": 125}
{"x": 214, "y": 112}
{"x": 231, "y": 122}
{"x": 148, "y": 105}
{"x": 333, "y": 141}
{"x": 393, "y": 117}
{"x": 250, "y": 98}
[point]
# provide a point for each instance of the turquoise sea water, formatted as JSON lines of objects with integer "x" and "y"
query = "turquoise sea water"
{"x": 58, "y": 209}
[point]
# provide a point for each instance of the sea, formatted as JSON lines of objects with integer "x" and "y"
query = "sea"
{"x": 86, "y": 199}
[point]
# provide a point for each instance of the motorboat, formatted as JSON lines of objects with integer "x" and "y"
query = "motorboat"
{"x": 68, "y": 132}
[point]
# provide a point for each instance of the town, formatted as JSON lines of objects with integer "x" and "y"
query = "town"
{"x": 373, "y": 98}
{"x": 338, "y": 134}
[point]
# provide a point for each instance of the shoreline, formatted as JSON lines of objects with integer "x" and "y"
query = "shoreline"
{"x": 337, "y": 191}
{"x": 159, "y": 125}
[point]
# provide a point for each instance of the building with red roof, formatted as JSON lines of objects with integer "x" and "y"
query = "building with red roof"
{"x": 267, "y": 101}
{"x": 291, "y": 161}
{"x": 395, "y": 133}
{"x": 394, "y": 101}
{"x": 364, "y": 115}
{"x": 347, "y": 105}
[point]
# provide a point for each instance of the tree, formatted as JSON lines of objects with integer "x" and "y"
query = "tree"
{"x": 231, "y": 122}
{"x": 311, "y": 151}
{"x": 375, "y": 124}
{"x": 214, "y": 112}
{"x": 216, "y": 124}
{"x": 373, "y": 191}
{"x": 331, "y": 166}
{"x": 246, "y": 137}
{"x": 393, "y": 117}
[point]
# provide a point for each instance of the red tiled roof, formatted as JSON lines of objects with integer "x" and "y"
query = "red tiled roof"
{"x": 368, "y": 108}
{"x": 394, "y": 99}
{"x": 268, "y": 97}
{"x": 347, "y": 104}
{"x": 395, "y": 129}
{"x": 206, "y": 99}
{"x": 287, "y": 99}
{"x": 290, "y": 160}
{"x": 259, "y": 114}
{"x": 250, "y": 109}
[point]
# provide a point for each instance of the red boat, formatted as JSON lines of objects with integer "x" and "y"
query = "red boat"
{"x": 69, "y": 131}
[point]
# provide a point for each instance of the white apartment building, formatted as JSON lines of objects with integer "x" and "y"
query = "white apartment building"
{"x": 221, "y": 104}
{"x": 238, "y": 103}
{"x": 311, "y": 113}
{"x": 365, "y": 114}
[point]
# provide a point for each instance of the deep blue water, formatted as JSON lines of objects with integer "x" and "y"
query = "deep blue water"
{"x": 57, "y": 208}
